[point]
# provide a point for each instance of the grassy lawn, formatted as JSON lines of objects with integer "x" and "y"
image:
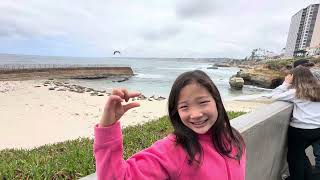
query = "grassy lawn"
{"x": 74, "y": 159}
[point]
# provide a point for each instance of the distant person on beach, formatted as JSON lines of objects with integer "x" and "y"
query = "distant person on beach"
{"x": 302, "y": 89}
{"x": 316, "y": 73}
{"x": 202, "y": 146}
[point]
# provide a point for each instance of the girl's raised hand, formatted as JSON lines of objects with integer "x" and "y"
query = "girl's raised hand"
{"x": 114, "y": 109}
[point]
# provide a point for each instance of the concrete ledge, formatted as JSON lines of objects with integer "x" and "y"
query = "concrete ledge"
{"x": 265, "y": 134}
{"x": 90, "y": 177}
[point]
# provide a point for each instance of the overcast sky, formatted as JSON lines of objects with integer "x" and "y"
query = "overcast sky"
{"x": 145, "y": 28}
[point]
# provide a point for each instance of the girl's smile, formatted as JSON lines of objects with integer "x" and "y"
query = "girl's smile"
{"x": 199, "y": 123}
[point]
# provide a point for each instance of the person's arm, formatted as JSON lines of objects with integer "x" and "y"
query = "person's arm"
{"x": 282, "y": 92}
{"x": 156, "y": 162}
{"x": 152, "y": 163}
{"x": 283, "y": 95}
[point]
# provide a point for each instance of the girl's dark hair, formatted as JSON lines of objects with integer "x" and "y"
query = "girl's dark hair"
{"x": 223, "y": 136}
{"x": 306, "y": 84}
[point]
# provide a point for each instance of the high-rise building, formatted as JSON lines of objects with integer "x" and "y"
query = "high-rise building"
{"x": 304, "y": 31}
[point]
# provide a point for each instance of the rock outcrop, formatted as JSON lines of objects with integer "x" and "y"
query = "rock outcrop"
{"x": 261, "y": 77}
{"x": 236, "y": 82}
{"x": 222, "y": 64}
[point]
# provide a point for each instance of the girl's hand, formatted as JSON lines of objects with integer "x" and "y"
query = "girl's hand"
{"x": 114, "y": 109}
{"x": 288, "y": 79}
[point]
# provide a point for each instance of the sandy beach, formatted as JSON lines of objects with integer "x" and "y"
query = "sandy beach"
{"x": 31, "y": 115}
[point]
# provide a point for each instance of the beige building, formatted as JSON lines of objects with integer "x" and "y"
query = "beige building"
{"x": 315, "y": 41}
{"x": 304, "y": 31}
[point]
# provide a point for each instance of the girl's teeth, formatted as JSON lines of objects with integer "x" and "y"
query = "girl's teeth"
{"x": 198, "y": 123}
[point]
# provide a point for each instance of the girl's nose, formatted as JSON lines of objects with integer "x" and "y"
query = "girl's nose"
{"x": 194, "y": 114}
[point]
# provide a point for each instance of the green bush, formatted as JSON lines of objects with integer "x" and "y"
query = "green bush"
{"x": 315, "y": 60}
{"x": 278, "y": 64}
{"x": 74, "y": 159}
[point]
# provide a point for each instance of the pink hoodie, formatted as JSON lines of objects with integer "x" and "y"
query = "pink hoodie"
{"x": 163, "y": 160}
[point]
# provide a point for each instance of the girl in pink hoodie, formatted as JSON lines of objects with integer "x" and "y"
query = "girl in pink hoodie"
{"x": 203, "y": 145}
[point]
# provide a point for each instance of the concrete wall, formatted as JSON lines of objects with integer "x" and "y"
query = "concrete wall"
{"x": 265, "y": 134}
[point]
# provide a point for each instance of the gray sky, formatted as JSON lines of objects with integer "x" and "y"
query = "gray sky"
{"x": 144, "y": 28}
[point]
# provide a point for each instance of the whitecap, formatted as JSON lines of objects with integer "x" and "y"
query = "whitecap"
{"x": 150, "y": 76}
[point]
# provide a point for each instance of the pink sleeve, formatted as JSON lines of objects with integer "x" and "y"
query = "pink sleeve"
{"x": 156, "y": 162}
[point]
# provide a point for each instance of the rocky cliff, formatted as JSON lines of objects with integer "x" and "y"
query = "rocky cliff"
{"x": 261, "y": 77}
{"x": 267, "y": 73}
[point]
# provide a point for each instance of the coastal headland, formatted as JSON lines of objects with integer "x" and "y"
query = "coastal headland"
{"x": 267, "y": 73}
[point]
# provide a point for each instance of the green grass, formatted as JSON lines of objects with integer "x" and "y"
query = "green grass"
{"x": 67, "y": 160}
{"x": 234, "y": 114}
{"x": 74, "y": 159}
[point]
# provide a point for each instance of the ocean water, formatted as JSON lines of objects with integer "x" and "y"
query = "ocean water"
{"x": 153, "y": 76}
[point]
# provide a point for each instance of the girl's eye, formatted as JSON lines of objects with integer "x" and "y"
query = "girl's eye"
{"x": 204, "y": 102}
{"x": 183, "y": 107}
